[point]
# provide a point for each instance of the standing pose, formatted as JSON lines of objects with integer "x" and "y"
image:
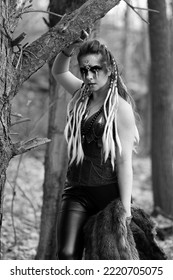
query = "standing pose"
{"x": 100, "y": 134}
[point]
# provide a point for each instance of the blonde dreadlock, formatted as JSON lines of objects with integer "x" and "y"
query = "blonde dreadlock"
{"x": 75, "y": 112}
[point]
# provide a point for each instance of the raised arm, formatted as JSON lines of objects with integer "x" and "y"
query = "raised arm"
{"x": 126, "y": 130}
{"x": 61, "y": 73}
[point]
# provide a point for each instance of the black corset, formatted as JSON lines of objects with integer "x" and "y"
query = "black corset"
{"x": 93, "y": 171}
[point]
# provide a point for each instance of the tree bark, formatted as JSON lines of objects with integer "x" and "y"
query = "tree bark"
{"x": 7, "y": 82}
{"x": 161, "y": 99}
{"x": 55, "y": 170}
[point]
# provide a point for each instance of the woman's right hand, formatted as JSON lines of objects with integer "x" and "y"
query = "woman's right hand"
{"x": 77, "y": 43}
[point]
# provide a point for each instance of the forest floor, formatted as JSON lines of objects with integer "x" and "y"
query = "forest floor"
{"x": 23, "y": 200}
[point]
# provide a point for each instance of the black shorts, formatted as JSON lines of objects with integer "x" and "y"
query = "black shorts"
{"x": 91, "y": 198}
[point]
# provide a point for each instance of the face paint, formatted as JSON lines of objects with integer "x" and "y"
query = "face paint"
{"x": 93, "y": 69}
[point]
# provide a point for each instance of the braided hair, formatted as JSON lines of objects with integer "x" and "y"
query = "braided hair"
{"x": 78, "y": 104}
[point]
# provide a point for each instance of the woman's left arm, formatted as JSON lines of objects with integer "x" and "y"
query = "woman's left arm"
{"x": 126, "y": 132}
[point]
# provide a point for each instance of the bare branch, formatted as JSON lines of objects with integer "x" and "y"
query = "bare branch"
{"x": 139, "y": 8}
{"x": 25, "y": 146}
{"x": 40, "y": 11}
{"x": 11, "y": 133}
{"x": 27, "y": 198}
{"x": 146, "y": 9}
{"x": 134, "y": 9}
{"x": 30, "y": 202}
{"x": 16, "y": 115}
{"x": 41, "y": 117}
{"x": 13, "y": 199}
{"x": 21, "y": 121}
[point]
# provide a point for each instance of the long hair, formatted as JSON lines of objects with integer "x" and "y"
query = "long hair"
{"x": 78, "y": 104}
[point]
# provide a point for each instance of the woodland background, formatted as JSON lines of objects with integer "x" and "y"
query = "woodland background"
{"x": 126, "y": 35}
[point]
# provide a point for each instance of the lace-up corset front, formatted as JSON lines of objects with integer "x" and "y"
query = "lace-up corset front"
{"x": 93, "y": 127}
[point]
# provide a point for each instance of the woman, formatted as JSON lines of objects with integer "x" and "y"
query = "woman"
{"x": 100, "y": 133}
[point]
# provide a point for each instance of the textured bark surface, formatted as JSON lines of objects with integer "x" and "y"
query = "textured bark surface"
{"x": 6, "y": 84}
{"x": 161, "y": 95}
{"x": 55, "y": 170}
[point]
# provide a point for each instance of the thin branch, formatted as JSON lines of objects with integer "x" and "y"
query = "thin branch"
{"x": 11, "y": 133}
{"x": 13, "y": 186}
{"x": 145, "y": 9}
{"x": 44, "y": 113}
{"x": 20, "y": 121}
{"x": 19, "y": 59}
{"x": 25, "y": 146}
{"x": 138, "y": 8}
{"x": 41, "y": 11}
{"x": 16, "y": 115}
{"x": 134, "y": 9}
{"x": 30, "y": 202}
{"x": 13, "y": 199}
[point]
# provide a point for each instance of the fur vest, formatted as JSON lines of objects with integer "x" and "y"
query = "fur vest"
{"x": 109, "y": 237}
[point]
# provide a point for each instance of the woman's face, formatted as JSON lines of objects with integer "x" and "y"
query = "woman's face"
{"x": 94, "y": 73}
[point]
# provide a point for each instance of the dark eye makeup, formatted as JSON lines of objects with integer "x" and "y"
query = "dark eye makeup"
{"x": 94, "y": 69}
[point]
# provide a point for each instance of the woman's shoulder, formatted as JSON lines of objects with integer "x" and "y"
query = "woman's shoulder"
{"x": 125, "y": 113}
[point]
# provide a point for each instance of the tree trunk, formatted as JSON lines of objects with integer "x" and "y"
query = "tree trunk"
{"x": 55, "y": 169}
{"x": 171, "y": 42}
{"x": 161, "y": 99}
{"x": 56, "y": 157}
{"x": 146, "y": 141}
{"x": 4, "y": 114}
{"x": 7, "y": 81}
